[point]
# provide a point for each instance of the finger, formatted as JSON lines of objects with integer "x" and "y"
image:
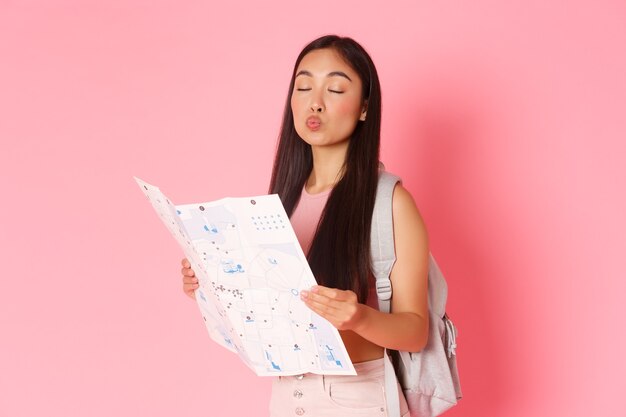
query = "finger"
{"x": 190, "y": 280}
{"x": 322, "y": 299}
{"x": 316, "y": 309}
{"x": 322, "y": 307}
{"x": 332, "y": 293}
{"x": 188, "y": 272}
{"x": 325, "y": 312}
{"x": 185, "y": 263}
{"x": 190, "y": 287}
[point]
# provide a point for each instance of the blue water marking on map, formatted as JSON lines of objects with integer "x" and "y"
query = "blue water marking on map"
{"x": 213, "y": 220}
{"x": 231, "y": 268}
{"x": 269, "y": 358}
{"x": 273, "y": 261}
{"x": 331, "y": 357}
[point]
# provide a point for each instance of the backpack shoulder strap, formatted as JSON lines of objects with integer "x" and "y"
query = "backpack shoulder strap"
{"x": 383, "y": 257}
{"x": 382, "y": 245}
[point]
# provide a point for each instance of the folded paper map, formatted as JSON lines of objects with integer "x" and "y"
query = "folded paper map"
{"x": 250, "y": 269}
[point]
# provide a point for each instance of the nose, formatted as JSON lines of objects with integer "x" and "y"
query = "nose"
{"x": 317, "y": 105}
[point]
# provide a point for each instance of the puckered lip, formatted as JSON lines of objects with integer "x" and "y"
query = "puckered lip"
{"x": 313, "y": 119}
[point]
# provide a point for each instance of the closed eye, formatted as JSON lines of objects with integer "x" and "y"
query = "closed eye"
{"x": 303, "y": 89}
{"x": 335, "y": 91}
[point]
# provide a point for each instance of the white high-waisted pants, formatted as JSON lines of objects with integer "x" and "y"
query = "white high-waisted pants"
{"x": 312, "y": 395}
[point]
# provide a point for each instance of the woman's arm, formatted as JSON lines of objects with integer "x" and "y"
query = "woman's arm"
{"x": 406, "y": 327}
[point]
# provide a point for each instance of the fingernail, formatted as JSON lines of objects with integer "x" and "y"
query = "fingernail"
{"x": 303, "y": 294}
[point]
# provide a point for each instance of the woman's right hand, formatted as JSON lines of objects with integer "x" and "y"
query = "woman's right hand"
{"x": 190, "y": 282}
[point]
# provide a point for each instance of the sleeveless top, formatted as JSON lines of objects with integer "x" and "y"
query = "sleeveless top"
{"x": 304, "y": 220}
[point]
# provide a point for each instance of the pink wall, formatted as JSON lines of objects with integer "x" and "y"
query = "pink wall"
{"x": 506, "y": 120}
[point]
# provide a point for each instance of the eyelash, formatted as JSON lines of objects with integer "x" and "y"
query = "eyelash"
{"x": 308, "y": 89}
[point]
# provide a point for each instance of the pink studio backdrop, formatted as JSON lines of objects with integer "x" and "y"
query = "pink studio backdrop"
{"x": 505, "y": 119}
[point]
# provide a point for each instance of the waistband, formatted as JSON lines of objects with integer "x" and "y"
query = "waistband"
{"x": 372, "y": 366}
{"x": 368, "y": 369}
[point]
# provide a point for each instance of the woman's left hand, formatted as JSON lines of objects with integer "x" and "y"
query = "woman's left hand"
{"x": 340, "y": 307}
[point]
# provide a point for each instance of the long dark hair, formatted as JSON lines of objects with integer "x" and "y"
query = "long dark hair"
{"x": 340, "y": 252}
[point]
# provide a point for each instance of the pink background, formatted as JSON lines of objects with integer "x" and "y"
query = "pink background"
{"x": 506, "y": 120}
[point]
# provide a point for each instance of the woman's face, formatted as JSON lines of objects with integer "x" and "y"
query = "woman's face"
{"x": 326, "y": 100}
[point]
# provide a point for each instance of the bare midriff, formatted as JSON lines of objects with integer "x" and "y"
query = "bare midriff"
{"x": 360, "y": 349}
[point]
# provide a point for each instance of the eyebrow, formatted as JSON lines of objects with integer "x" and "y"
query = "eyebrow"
{"x": 330, "y": 74}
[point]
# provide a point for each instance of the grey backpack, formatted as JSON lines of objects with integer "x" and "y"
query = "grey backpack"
{"x": 429, "y": 378}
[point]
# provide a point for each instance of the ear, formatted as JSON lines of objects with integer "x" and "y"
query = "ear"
{"x": 363, "y": 111}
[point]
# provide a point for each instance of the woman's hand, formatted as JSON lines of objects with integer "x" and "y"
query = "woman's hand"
{"x": 341, "y": 308}
{"x": 190, "y": 282}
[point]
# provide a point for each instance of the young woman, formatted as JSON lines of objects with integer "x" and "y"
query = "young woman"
{"x": 326, "y": 172}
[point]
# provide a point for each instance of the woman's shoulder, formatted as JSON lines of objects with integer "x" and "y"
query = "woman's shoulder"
{"x": 403, "y": 201}
{"x": 404, "y": 209}
{"x": 401, "y": 196}
{"x": 406, "y": 214}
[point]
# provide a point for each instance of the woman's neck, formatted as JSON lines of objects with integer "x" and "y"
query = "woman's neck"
{"x": 328, "y": 165}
